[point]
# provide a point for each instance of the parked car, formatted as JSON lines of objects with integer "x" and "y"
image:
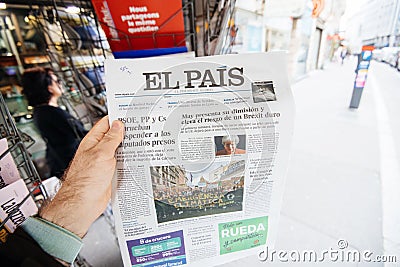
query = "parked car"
{"x": 398, "y": 62}
{"x": 393, "y": 58}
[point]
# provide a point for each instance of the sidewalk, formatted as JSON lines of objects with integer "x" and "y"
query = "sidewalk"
{"x": 333, "y": 189}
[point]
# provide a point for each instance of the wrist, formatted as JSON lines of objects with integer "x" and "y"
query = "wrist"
{"x": 63, "y": 211}
{"x": 55, "y": 217}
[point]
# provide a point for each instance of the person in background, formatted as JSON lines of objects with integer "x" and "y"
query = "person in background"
{"x": 58, "y": 128}
{"x": 230, "y": 142}
{"x": 54, "y": 237}
{"x": 343, "y": 54}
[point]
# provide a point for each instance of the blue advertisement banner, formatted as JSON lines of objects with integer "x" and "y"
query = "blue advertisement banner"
{"x": 158, "y": 251}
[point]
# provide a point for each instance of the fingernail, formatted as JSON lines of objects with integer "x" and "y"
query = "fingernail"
{"x": 115, "y": 126}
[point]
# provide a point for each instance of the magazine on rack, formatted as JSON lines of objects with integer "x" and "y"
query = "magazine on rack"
{"x": 200, "y": 173}
{"x": 11, "y": 197}
{"x": 8, "y": 170}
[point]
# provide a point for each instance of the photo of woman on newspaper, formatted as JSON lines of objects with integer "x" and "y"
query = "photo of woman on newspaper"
{"x": 230, "y": 145}
{"x": 180, "y": 194}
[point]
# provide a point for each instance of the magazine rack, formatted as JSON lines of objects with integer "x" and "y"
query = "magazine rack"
{"x": 76, "y": 51}
{"x": 17, "y": 146}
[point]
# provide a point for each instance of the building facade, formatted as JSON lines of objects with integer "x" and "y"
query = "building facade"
{"x": 377, "y": 23}
{"x": 168, "y": 176}
{"x": 301, "y": 27}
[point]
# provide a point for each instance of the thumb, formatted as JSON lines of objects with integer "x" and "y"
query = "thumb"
{"x": 112, "y": 139}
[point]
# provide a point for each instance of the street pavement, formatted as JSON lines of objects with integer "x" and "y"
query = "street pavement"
{"x": 342, "y": 180}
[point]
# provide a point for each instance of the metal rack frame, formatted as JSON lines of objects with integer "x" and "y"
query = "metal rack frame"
{"x": 18, "y": 145}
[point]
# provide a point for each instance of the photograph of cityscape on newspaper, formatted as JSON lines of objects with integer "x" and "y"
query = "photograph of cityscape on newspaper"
{"x": 200, "y": 172}
{"x": 179, "y": 194}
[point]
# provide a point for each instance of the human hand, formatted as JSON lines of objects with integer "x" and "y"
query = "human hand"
{"x": 86, "y": 189}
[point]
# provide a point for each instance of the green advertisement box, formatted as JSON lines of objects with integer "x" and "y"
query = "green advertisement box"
{"x": 242, "y": 235}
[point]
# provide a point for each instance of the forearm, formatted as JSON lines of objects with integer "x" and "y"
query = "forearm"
{"x": 64, "y": 210}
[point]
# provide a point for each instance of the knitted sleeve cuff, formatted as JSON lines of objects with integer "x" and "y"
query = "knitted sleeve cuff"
{"x": 55, "y": 240}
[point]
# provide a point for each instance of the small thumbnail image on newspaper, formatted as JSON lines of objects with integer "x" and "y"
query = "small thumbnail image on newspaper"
{"x": 228, "y": 145}
{"x": 180, "y": 194}
{"x": 263, "y": 91}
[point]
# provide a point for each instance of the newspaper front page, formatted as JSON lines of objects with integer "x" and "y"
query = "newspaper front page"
{"x": 200, "y": 173}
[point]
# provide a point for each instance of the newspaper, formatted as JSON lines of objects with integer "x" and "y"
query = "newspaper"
{"x": 200, "y": 173}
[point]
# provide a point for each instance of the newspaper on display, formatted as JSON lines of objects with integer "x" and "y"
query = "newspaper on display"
{"x": 8, "y": 170}
{"x": 10, "y": 198}
{"x": 200, "y": 173}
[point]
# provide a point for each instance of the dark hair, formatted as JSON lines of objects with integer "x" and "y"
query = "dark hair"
{"x": 35, "y": 83}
